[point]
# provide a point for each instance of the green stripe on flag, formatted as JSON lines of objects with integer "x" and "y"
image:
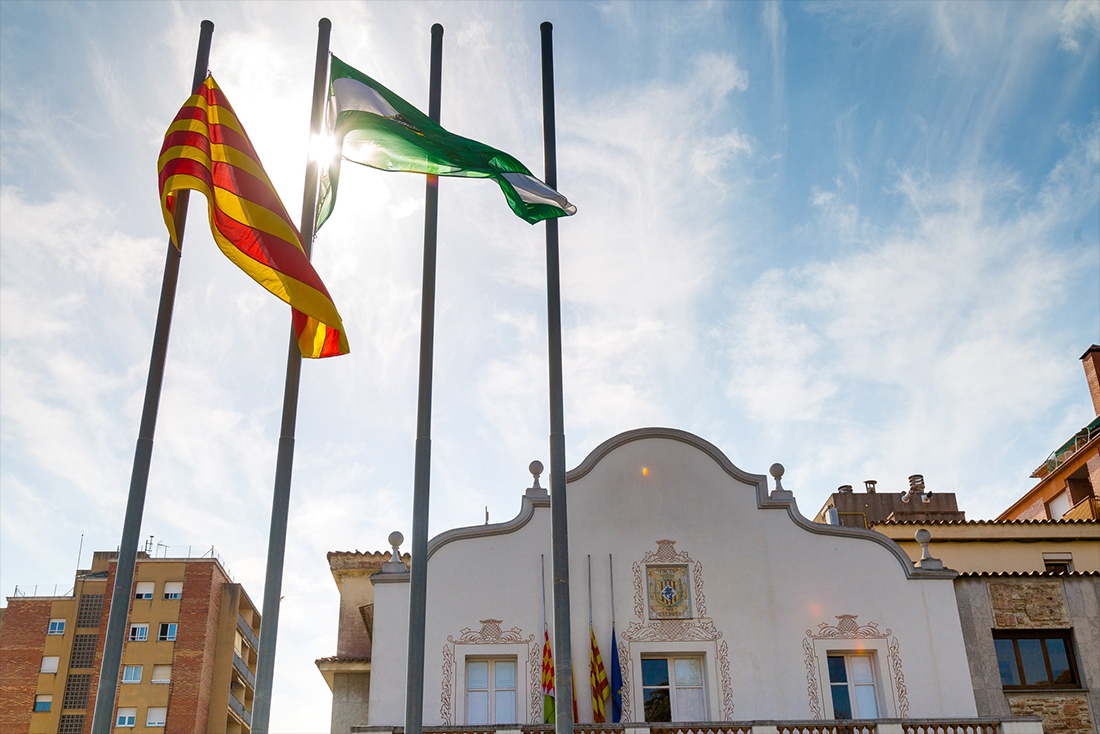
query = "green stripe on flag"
{"x": 374, "y": 127}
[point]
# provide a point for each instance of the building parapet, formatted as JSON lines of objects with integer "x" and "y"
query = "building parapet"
{"x": 1022, "y": 725}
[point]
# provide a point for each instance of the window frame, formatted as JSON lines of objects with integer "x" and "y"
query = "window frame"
{"x": 153, "y": 674}
{"x": 886, "y": 691}
{"x": 149, "y": 716}
{"x": 42, "y": 668}
{"x": 42, "y": 698}
{"x": 519, "y": 651}
{"x": 167, "y": 632}
{"x": 173, "y": 594}
{"x": 851, "y": 683}
{"x": 1065, "y": 635}
{"x": 125, "y": 719}
{"x": 56, "y": 627}
{"x": 138, "y": 627}
{"x": 130, "y": 668}
{"x": 672, "y": 687}
{"x": 139, "y": 590}
{"x": 491, "y": 689}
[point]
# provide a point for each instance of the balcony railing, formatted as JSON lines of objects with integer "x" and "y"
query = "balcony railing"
{"x": 1086, "y": 509}
{"x": 240, "y": 666}
{"x": 1067, "y": 451}
{"x": 1030, "y": 725}
{"x": 238, "y": 708}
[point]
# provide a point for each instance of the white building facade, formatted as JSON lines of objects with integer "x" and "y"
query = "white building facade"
{"x": 729, "y": 605}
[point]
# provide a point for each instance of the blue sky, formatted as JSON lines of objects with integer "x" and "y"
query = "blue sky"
{"x": 860, "y": 239}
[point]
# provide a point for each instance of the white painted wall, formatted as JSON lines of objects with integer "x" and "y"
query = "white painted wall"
{"x": 766, "y": 581}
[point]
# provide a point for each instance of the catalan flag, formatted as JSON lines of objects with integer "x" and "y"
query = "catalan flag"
{"x": 601, "y": 689}
{"x": 206, "y": 149}
{"x": 547, "y": 679}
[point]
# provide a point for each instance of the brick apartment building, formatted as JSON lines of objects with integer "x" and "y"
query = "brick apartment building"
{"x": 188, "y": 665}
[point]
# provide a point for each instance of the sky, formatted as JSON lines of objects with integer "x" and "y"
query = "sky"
{"x": 860, "y": 239}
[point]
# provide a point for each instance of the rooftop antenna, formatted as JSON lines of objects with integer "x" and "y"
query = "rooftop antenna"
{"x": 486, "y": 514}
{"x": 79, "y": 551}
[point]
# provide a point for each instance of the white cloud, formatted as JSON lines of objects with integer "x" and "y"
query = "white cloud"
{"x": 1078, "y": 18}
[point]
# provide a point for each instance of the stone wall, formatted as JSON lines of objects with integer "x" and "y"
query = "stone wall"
{"x": 1028, "y": 604}
{"x": 1062, "y": 713}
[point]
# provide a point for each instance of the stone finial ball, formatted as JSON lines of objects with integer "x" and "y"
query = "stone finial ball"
{"x": 535, "y": 467}
{"x": 776, "y": 470}
{"x": 923, "y": 536}
{"x": 396, "y": 538}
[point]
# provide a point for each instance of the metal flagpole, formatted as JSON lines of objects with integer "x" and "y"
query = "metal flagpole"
{"x": 143, "y": 455}
{"x": 418, "y": 578}
{"x": 611, "y": 574}
{"x": 284, "y": 463}
{"x": 563, "y": 664}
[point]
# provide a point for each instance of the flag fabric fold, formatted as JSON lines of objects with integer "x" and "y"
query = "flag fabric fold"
{"x": 601, "y": 689}
{"x": 616, "y": 680}
{"x": 206, "y": 149}
{"x": 374, "y": 127}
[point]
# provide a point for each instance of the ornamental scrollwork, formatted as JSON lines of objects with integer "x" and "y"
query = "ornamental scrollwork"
{"x": 847, "y": 627}
{"x": 491, "y": 633}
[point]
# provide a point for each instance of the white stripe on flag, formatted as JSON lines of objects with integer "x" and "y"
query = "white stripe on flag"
{"x": 533, "y": 191}
{"x": 354, "y": 95}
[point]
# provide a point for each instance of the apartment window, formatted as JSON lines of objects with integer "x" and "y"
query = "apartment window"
{"x": 1036, "y": 658}
{"x": 672, "y": 689}
{"x": 57, "y": 627}
{"x": 43, "y": 702}
{"x": 852, "y": 685}
{"x": 77, "y": 686}
{"x": 90, "y": 610}
{"x": 49, "y": 663}
{"x": 162, "y": 674}
{"x": 83, "y": 651}
{"x": 131, "y": 674}
{"x": 167, "y": 632}
{"x": 71, "y": 724}
{"x": 139, "y": 632}
{"x": 144, "y": 589}
{"x": 490, "y": 691}
{"x": 173, "y": 589}
{"x": 156, "y": 716}
{"x": 126, "y": 717}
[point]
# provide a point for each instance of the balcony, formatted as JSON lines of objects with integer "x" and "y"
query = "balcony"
{"x": 244, "y": 714}
{"x": 1086, "y": 509}
{"x": 242, "y": 669}
{"x": 1029, "y": 725}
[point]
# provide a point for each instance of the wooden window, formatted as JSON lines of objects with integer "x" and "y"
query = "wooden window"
{"x": 672, "y": 689}
{"x": 490, "y": 691}
{"x": 1036, "y": 659}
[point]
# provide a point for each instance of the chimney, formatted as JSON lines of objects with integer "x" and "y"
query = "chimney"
{"x": 1091, "y": 359}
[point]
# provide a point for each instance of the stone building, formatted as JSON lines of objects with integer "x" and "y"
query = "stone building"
{"x": 188, "y": 665}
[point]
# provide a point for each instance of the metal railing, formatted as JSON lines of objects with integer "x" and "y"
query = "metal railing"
{"x": 238, "y": 708}
{"x": 41, "y": 590}
{"x": 1023, "y": 725}
{"x": 242, "y": 668}
{"x": 1068, "y": 450}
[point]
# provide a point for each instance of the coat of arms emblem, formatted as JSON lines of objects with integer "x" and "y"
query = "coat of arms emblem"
{"x": 668, "y": 592}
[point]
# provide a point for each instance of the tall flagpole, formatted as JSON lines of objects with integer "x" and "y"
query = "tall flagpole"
{"x": 284, "y": 463}
{"x": 143, "y": 455}
{"x": 418, "y": 579}
{"x": 563, "y": 665}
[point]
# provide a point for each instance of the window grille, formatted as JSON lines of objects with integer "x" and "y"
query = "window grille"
{"x": 71, "y": 724}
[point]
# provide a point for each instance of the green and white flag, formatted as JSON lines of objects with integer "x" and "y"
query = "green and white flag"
{"x": 374, "y": 127}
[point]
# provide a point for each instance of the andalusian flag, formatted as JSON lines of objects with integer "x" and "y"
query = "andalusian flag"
{"x": 601, "y": 689}
{"x": 374, "y": 127}
{"x": 206, "y": 149}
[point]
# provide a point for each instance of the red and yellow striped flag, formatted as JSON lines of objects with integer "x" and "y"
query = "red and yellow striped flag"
{"x": 206, "y": 149}
{"x": 601, "y": 689}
